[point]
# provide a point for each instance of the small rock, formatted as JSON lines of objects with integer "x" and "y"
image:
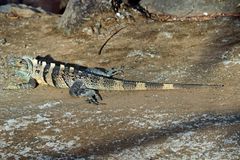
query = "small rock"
{"x": 88, "y": 30}
{"x": 104, "y": 61}
{"x": 3, "y": 41}
{"x": 205, "y": 13}
{"x": 119, "y": 15}
{"x": 168, "y": 35}
{"x": 97, "y": 28}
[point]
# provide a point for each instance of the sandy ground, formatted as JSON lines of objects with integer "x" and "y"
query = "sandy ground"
{"x": 46, "y": 123}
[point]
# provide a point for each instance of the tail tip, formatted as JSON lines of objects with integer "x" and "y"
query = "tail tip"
{"x": 219, "y": 85}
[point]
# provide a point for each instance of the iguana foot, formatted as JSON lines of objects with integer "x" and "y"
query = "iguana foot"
{"x": 93, "y": 96}
{"x": 79, "y": 89}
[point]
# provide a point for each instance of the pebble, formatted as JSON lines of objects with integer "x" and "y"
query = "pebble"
{"x": 3, "y": 41}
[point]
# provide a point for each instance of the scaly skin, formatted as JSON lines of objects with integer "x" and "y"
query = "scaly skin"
{"x": 81, "y": 80}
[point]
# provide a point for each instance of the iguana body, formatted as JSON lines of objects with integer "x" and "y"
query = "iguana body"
{"x": 82, "y": 81}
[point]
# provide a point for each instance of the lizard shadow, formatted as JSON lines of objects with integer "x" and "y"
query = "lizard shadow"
{"x": 195, "y": 123}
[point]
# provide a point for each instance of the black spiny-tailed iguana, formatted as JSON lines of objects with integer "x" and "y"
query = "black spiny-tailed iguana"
{"x": 82, "y": 81}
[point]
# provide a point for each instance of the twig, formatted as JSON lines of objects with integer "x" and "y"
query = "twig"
{"x": 100, "y": 51}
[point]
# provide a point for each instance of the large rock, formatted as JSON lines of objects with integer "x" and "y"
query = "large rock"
{"x": 54, "y": 6}
{"x": 20, "y": 10}
{"x": 191, "y": 7}
{"x": 77, "y": 11}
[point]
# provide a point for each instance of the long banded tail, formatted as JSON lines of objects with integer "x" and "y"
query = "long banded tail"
{"x": 102, "y": 83}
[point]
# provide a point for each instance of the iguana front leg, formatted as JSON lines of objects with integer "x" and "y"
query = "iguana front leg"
{"x": 79, "y": 89}
{"x": 32, "y": 83}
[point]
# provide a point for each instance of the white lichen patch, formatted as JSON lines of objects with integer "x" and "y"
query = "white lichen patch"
{"x": 3, "y": 144}
{"x": 24, "y": 151}
{"x": 41, "y": 118}
{"x": 143, "y": 54}
{"x": 167, "y": 35}
{"x": 189, "y": 145}
{"x": 49, "y": 105}
{"x": 59, "y": 146}
{"x": 150, "y": 120}
{"x": 47, "y": 138}
{"x": 68, "y": 115}
{"x": 231, "y": 62}
{"x": 12, "y": 124}
{"x": 21, "y": 123}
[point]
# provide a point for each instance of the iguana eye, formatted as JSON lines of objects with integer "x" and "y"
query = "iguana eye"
{"x": 22, "y": 62}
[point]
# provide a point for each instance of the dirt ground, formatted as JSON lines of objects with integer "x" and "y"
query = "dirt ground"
{"x": 47, "y": 123}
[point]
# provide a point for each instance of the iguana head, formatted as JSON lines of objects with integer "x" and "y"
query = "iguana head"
{"x": 22, "y": 66}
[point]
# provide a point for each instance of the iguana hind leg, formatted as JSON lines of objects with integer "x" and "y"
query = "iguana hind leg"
{"x": 79, "y": 89}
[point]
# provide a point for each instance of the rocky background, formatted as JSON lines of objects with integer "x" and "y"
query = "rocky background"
{"x": 175, "y": 7}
